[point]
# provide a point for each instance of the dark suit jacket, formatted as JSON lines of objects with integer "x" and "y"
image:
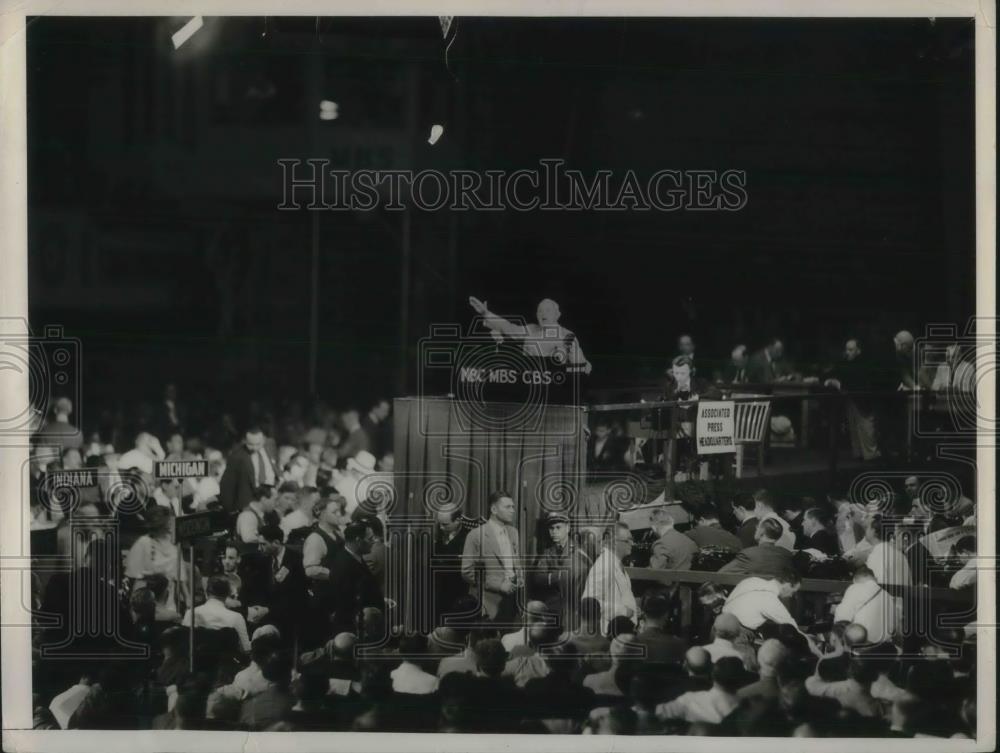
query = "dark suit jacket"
{"x": 611, "y": 456}
{"x": 704, "y": 536}
{"x": 354, "y": 443}
{"x": 824, "y": 541}
{"x": 481, "y": 558}
{"x": 762, "y": 371}
{"x": 352, "y": 588}
{"x": 264, "y": 709}
{"x": 731, "y": 375}
{"x": 747, "y": 531}
{"x": 763, "y": 560}
{"x": 238, "y": 482}
{"x": 672, "y": 551}
{"x": 287, "y": 597}
{"x": 662, "y": 647}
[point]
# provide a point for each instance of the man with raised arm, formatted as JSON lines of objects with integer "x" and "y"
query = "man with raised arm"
{"x": 546, "y": 339}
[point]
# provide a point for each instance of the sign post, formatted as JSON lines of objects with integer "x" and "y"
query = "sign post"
{"x": 187, "y": 528}
{"x": 715, "y": 427}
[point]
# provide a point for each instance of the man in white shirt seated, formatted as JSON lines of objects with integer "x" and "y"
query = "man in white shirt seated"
{"x": 147, "y": 451}
{"x": 755, "y": 601}
{"x": 409, "y": 677}
{"x": 964, "y": 550}
{"x": 709, "y": 706}
{"x": 866, "y": 603}
{"x": 726, "y": 630}
{"x": 535, "y": 614}
{"x": 764, "y": 508}
{"x": 608, "y": 582}
{"x": 886, "y": 562}
{"x": 215, "y": 615}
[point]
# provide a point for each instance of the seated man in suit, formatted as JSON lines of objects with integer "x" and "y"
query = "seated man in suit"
{"x": 672, "y": 550}
{"x": 766, "y": 559}
{"x": 769, "y": 365}
{"x": 818, "y": 532}
{"x": 736, "y": 371}
{"x": 489, "y": 561}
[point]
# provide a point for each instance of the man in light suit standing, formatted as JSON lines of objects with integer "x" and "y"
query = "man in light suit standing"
{"x": 489, "y": 561}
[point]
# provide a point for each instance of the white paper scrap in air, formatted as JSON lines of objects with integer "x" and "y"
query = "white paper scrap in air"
{"x": 187, "y": 31}
{"x": 436, "y": 131}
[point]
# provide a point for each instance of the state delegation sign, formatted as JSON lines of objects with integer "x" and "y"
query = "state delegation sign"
{"x": 714, "y": 428}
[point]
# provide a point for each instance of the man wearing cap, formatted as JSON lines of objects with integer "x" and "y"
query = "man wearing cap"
{"x": 560, "y": 571}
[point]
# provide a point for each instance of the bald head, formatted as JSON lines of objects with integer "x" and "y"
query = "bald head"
{"x": 343, "y": 645}
{"x": 727, "y": 627}
{"x": 903, "y": 341}
{"x": 547, "y": 312}
{"x": 698, "y": 661}
{"x": 769, "y": 656}
{"x": 855, "y": 635}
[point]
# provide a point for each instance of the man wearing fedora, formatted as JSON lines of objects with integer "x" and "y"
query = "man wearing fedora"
{"x": 560, "y": 572}
{"x": 489, "y": 561}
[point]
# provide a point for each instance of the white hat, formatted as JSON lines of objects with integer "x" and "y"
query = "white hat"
{"x": 780, "y": 425}
{"x": 265, "y": 630}
{"x": 363, "y": 462}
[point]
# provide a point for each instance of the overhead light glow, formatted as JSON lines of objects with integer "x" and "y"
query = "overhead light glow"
{"x": 328, "y": 110}
{"x": 187, "y": 31}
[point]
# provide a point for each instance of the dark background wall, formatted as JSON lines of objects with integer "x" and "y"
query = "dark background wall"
{"x": 153, "y": 186}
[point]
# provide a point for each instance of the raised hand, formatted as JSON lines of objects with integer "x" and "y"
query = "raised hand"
{"x": 477, "y": 305}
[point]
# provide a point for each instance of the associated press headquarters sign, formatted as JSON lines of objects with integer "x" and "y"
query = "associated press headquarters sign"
{"x": 715, "y": 427}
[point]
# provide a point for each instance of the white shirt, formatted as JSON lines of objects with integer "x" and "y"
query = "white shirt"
{"x": 868, "y": 605}
{"x": 610, "y": 585}
{"x": 136, "y": 458}
{"x": 248, "y": 526}
{"x": 711, "y": 706}
{"x": 258, "y": 459}
{"x": 720, "y": 648}
{"x": 506, "y": 550}
{"x": 250, "y": 681}
{"x": 294, "y": 519}
{"x": 409, "y": 678}
{"x": 160, "y": 497}
{"x": 965, "y": 577}
{"x": 787, "y": 540}
{"x": 64, "y": 704}
{"x": 889, "y": 565}
{"x": 755, "y": 601}
{"x": 215, "y": 615}
{"x": 511, "y": 641}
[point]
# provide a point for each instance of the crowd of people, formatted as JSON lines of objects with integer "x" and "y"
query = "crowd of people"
{"x": 284, "y": 622}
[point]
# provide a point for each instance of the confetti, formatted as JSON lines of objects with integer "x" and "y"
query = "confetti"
{"x": 436, "y": 131}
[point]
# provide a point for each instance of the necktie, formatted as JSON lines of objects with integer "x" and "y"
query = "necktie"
{"x": 260, "y": 468}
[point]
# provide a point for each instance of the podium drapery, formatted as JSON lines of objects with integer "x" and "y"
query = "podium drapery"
{"x": 450, "y": 452}
{"x": 453, "y": 452}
